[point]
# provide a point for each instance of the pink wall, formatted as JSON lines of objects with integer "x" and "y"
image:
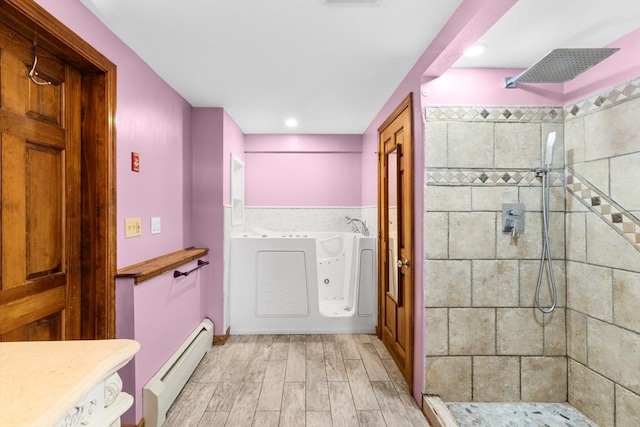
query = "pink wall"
{"x": 303, "y": 170}
{"x": 208, "y": 208}
{"x": 154, "y": 121}
{"x": 485, "y": 86}
{"x": 160, "y": 317}
{"x": 472, "y": 19}
{"x": 622, "y": 66}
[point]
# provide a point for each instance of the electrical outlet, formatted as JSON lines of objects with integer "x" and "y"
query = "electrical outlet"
{"x": 132, "y": 227}
{"x": 155, "y": 225}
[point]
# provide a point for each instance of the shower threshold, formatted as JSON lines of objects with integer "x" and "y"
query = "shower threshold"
{"x": 518, "y": 414}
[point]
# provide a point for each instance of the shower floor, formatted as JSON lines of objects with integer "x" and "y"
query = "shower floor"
{"x": 518, "y": 415}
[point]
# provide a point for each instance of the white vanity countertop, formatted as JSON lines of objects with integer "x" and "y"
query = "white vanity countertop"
{"x": 41, "y": 381}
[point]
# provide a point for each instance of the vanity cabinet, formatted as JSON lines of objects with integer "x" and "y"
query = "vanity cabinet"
{"x": 63, "y": 383}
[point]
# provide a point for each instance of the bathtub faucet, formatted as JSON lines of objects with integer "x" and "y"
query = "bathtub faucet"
{"x": 365, "y": 229}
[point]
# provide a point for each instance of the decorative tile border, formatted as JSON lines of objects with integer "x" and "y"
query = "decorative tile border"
{"x": 621, "y": 93}
{"x": 613, "y": 214}
{"x": 509, "y": 114}
{"x": 533, "y": 114}
{"x": 487, "y": 177}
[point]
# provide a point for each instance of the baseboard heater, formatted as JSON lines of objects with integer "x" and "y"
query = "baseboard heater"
{"x": 164, "y": 387}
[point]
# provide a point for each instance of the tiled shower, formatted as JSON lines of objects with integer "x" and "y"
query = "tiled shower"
{"x": 485, "y": 340}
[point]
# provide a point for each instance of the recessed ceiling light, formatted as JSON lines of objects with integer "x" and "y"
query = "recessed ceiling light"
{"x": 291, "y": 123}
{"x": 475, "y": 50}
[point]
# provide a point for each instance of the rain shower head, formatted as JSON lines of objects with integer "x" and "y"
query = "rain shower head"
{"x": 561, "y": 65}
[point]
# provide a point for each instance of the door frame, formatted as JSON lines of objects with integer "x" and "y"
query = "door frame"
{"x": 409, "y": 298}
{"x": 95, "y": 317}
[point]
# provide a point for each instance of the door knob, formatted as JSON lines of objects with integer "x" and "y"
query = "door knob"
{"x": 403, "y": 263}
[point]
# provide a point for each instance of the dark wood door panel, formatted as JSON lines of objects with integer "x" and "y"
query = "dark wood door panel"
{"x": 396, "y": 237}
{"x": 75, "y": 114}
{"x": 46, "y": 329}
{"x": 39, "y": 194}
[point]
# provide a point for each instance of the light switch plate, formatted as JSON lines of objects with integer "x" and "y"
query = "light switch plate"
{"x": 155, "y": 225}
{"x": 132, "y": 227}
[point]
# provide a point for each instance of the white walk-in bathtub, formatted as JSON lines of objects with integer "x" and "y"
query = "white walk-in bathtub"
{"x": 299, "y": 282}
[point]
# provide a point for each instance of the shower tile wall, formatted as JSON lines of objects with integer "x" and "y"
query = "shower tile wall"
{"x": 485, "y": 340}
{"x": 602, "y": 141}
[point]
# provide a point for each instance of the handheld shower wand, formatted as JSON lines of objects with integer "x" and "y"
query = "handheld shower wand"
{"x": 551, "y": 139}
{"x": 546, "y": 248}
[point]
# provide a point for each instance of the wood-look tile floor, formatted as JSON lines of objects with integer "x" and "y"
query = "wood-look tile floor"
{"x": 296, "y": 380}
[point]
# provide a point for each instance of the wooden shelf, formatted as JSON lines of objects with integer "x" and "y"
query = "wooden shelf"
{"x": 146, "y": 270}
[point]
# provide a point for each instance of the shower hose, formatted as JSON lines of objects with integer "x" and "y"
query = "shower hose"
{"x": 545, "y": 259}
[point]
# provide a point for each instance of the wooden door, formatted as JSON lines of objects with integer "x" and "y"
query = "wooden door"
{"x": 40, "y": 193}
{"x": 395, "y": 249}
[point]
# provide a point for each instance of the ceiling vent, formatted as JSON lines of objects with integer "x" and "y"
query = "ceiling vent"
{"x": 350, "y": 2}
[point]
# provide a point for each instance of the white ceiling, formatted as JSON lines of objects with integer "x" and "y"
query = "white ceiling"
{"x": 331, "y": 67}
{"x": 533, "y": 28}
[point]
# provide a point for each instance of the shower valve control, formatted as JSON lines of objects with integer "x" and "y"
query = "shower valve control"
{"x": 513, "y": 219}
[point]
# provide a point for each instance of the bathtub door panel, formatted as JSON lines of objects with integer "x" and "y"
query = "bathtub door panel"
{"x": 365, "y": 283}
{"x": 282, "y": 284}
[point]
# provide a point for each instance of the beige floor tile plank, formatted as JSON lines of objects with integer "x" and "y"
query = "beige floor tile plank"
{"x": 313, "y": 338}
{"x": 317, "y": 393}
{"x": 279, "y": 350}
{"x": 258, "y": 365}
{"x": 293, "y": 405}
{"x": 233, "y": 339}
{"x": 361, "y": 338}
{"x": 281, "y": 338}
{"x": 348, "y": 347}
{"x": 244, "y": 407}
{"x": 414, "y": 413}
{"x": 363, "y": 397}
{"x": 391, "y": 406}
{"x": 183, "y": 396}
{"x": 334, "y": 362}
{"x": 235, "y": 371}
{"x": 317, "y": 396}
{"x": 213, "y": 419}
{"x": 329, "y": 338}
{"x": 174, "y": 411}
{"x": 266, "y": 419}
{"x": 272, "y": 386}
{"x": 316, "y": 371}
{"x": 266, "y": 339}
{"x": 262, "y": 349}
{"x": 296, "y": 362}
{"x": 196, "y": 405}
{"x": 343, "y": 411}
{"x": 382, "y": 351}
{"x": 296, "y": 380}
{"x": 314, "y": 350}
{"x": 213, "y": 366}
{"x": 396, "y": 376}
{"x": 212, "y": 356}
{"x": 372, "y": 363}
{"x": 318, "y": 419}
{"x": 245, "y": 348}
{"x": 297, "y": 338}
{"x": 223, "y": 397}
{"x": 371, "y": 419}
